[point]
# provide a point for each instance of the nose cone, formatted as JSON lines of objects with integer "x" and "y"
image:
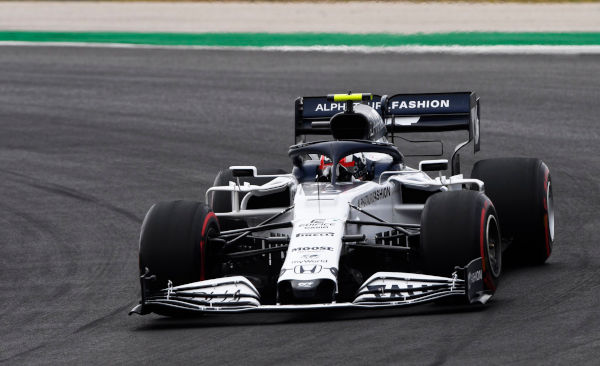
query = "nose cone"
{"x": 315, "y": 291}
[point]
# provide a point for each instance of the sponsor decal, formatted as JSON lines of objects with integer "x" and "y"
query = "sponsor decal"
{"x": 309, "y": 261}
{"x": 341, "y": 106}
{"x": 315, "y": 234}
{"x": 390, "y": 291}
{"x": 374, "y": 196}
{"x": 226, "y": 297}
{"x": 414, "y": 104}
{"x": 305, "y": 284}
{"x": 406, "y": 121}
{"x": 316, "y": 226}
{"x": 319, "y": 224}
{"x": 169, "y": 289}
{"x": 313, "y": 248}
{"x": 308, "y": 269}
{"x": 475, "y": 276}
{"x": 474, "y": 121}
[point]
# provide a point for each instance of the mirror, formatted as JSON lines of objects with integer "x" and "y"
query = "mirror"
{"x": 243, "y": 171}
{"x": 433, "y": 165}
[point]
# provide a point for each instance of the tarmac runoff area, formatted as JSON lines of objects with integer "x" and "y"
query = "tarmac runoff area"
{"x": 348, "y": 27}
{"x": 92, "y": 137}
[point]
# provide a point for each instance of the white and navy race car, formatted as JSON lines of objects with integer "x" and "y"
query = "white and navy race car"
{"x": 352, "y": 226}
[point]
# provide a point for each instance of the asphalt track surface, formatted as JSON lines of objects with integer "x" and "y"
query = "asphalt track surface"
{"x": 90, "y": 138}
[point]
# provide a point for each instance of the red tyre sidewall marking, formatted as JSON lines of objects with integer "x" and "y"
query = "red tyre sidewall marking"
{"x": 481, "y": 235}
{"x": 208, "y": 217}
{"x": 546, "y": 224}
{"x": 487, "y": 279}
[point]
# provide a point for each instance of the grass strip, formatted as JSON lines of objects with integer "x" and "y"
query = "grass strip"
{"x": 311, "y": 39}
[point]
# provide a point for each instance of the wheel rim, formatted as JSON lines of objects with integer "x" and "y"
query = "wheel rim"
{"x": 494, "y": 246}
{"x": 550, "y": 205}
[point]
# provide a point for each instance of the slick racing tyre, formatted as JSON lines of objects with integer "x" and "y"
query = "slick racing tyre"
{"x": 173, "y": 243}
{"x": 457, "y": 227}
{"x": 221, "y": 201}
{"x": 521, "y": 190}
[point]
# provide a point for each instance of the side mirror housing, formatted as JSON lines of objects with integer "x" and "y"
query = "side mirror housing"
{"x": 243, "y": 171}
{"x": 433, "y": 165}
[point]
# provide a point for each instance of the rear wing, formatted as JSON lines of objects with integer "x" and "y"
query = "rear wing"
{"x": 432, "y": 112}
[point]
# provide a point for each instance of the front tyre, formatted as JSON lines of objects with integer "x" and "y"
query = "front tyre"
{"x": 173, "y": 243}
{"x": 457, "y": 227}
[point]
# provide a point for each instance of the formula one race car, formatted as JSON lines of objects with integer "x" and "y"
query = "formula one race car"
{"x": 351, "y": 226}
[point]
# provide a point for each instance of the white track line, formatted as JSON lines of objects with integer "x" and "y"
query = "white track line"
{"x": 501, "y": 49}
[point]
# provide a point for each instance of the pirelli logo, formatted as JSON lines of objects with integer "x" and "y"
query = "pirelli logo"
{"x": 315, "y": 234}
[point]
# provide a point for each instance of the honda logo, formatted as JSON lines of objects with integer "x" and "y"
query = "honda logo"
{"x": 307, "y": 269}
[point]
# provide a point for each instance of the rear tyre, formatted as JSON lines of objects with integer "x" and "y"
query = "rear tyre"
{"x": 173, "y": 243}
{"x": 457, "y": 227}
{"x": 521, "y": 190}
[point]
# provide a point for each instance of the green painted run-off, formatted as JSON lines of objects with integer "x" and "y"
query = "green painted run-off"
{"x": 311, "y": 39}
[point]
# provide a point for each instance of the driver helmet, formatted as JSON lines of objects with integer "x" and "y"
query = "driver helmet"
{"x": 352, "y": 167}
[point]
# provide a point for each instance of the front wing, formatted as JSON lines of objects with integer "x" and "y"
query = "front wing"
{"x": 382, "y": 290}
